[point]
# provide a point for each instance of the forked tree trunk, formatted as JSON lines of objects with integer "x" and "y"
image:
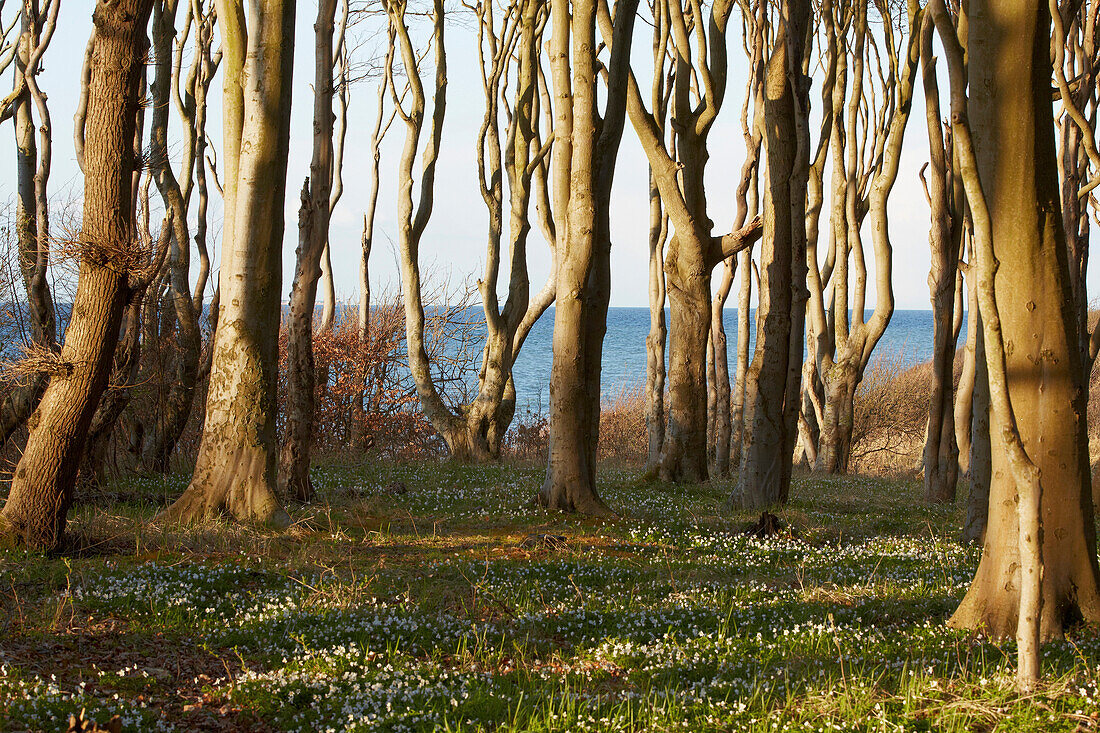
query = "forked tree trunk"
{"x": 313, "y": 231}
{"x": 42, "y": 487}
{"x": 1038, "y": 572}
{"x": 941, "y": 453}
{"x": 183, "y": 368}
{"x": 236, "y": 466}
{"x": 773, "y": 380}
{"x": 32, "y": 228}
{"x": 583, "y": 171}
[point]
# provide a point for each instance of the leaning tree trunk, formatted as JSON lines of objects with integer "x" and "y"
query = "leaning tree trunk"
{"x": 313, "y": 230}
{"x": 42, "y": 487}
{"x": 1015, "y": 153}
{"x": 773, "y": 380}
{"x": 236, "y": 465}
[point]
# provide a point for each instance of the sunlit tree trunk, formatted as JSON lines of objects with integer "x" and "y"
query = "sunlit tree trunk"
{"x": 313, "y": 230}
{"x": 583, "y": 170}
{"x": 236, "y": 465}
{"x": 941, "y": 454}
{"x": 42, "y": 485}
{"x": 773, "y": 379}
{"x": 658, "y": 333}
{"x": 1038, "y": 571}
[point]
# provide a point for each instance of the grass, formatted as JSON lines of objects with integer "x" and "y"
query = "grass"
{"x": 429, "y": 610}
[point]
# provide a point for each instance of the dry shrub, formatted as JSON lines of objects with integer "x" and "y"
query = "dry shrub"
{"x": 528, "y": 438}
{"x": 623, "y": 435}
{"x": 365, "y": 396}
{"x": 891, "y": 411}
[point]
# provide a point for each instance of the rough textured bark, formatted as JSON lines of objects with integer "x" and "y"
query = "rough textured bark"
{"x": 773, "y": 379}
{"x": 42, "y": 486}
{"x": 313, "y": 228}
{"x": 1038, "y": 571}
{"x": 236, "y": 466}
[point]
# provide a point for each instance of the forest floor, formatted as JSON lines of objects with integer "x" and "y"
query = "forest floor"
{"x": 450, "y": 602}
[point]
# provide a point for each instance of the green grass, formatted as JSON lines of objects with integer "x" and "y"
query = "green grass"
{"x": 424, "y": 611}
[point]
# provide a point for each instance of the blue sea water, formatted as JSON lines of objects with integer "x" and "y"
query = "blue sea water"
{"x": 908, "y": 338}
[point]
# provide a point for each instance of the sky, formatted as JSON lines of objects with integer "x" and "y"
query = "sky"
{"x": 454, "y": 242}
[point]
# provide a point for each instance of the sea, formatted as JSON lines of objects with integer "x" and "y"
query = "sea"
{"x": 907, "y": 341}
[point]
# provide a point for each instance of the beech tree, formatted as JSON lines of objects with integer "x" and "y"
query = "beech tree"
{"x": 319, "y": 197}
{"x": 236, "y": 465}
{"x": 772, "y": 382}
{"x": 476, "y": 431}
{"x": 110, "y": 268}
{"x": 698, "y": 90}
{"x": 32, "y": 217}
{"x": 587, "y": 146}
{"x": 946, "y": 237}
{"x": 1038, "y": 571}
{"x": 172, "y": 357}
{"x": 866, "y": 151}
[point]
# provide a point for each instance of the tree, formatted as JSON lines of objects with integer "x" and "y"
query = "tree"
{"x": 475, "y": 431}
{"x": 42, "y": 486}
{"x": 236, "y": 465}
{"x": 32, "y": 216}
{"x": 318, "y": 200}
{"x": 772, "y": 382}
{"x": 1038, "y": 571}
{"x": 866, "y": 150}
{"x": 583, "y": 172}
{"x": 175, "y": 344}
{"x": 693, "y": 251}
{"x": 945, "y": 237}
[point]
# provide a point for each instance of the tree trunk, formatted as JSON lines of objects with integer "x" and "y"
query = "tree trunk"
{"x": 744, "y": 299}
{"x": 42, "y": 487}
{"x": 583, "y": 171}
{"x": 685, "y": 451}
{"x": 834, "y": 445}
{"x": 658, "y": 334}
{"x": 313, "y": 231}
{"x": 941, "y": 453}
{"x": 980, "y": 459}
{"x": 722, "y": 395}
{"x": 236, "y": 465}
{"x": 183, "y": 367}
{"x": 1014, "y": 145}
{"x": 773, "y": 379}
